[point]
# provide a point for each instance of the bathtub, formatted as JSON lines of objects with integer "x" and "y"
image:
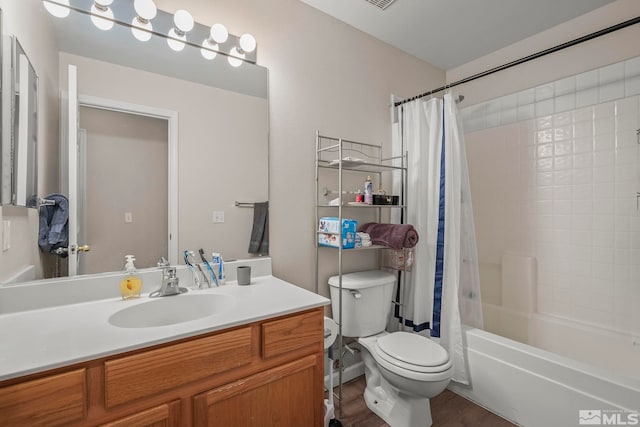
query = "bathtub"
{"x": 534, "y": 387}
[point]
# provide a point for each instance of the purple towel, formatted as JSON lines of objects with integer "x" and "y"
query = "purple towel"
{"x": 396, "y": 236}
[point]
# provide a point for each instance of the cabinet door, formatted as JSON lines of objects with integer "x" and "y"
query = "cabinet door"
{"x": 167, "y": 415}
{"x": 288, "y": 396}
{"x": 56, "y": 400}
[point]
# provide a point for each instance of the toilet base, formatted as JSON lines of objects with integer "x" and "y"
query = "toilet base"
{"x": 410, "y": 411}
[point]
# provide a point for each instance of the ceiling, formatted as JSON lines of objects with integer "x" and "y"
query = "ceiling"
{"x": 449, "y": 33}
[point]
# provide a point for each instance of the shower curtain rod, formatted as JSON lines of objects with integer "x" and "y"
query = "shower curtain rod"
{"x": 526, "y": 59}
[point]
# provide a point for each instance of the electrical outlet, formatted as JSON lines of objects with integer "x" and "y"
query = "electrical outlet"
{"x": 6, "y": 235}
{"x": 128, "y": 217}
{"x": 218, "y": 217}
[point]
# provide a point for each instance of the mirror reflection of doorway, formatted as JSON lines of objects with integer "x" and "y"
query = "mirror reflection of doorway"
{"x": 123, "y": 191}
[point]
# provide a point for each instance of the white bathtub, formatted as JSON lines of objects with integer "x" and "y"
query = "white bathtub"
{"x": 610, "y": 350}
{"x": 534, "y": 387}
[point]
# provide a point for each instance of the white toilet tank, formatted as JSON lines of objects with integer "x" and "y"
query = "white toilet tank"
{"x": 366, "y": 301}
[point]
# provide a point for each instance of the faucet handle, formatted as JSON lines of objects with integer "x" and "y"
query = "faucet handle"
{"x": 162, "y": 262}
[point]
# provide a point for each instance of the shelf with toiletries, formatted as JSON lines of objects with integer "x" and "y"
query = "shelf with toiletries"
{"x": 356, "y": 186}
{"x": 363, "y": 206}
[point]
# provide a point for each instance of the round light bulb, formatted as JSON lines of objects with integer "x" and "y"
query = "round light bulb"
{"x": 146, "y": 9}
{"x": 219, "y": 33}
{"x": 233, "y": 59}
{"x": 247, "y": 43}
{"x": 205, "y": 52}
{"x": 97, "y": 17}
{"x": 57, "y": 8}
{"x": 176, "y": 44}
{"x": 138, "y": 27}
{"x": 183, "y": 21}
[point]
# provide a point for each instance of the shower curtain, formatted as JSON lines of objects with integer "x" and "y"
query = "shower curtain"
{"x": 443, "y": 289}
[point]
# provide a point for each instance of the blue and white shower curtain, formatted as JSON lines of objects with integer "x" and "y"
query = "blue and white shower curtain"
{"x": 443, "y": 289}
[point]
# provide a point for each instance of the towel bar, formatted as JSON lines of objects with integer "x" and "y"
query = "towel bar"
{"x": 244, "y": 204}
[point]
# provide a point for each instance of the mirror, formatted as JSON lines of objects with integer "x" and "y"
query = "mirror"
{"x": 221, "y": 130}
{"x": 24, "y": 129}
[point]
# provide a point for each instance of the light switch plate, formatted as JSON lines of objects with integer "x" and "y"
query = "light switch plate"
{"x": 128, "y": 217}
{"x": 218, "y": 217}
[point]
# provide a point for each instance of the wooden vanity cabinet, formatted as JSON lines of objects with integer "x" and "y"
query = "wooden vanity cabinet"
{"x": 267, "y": 373}
{"x": 165, "y": 415}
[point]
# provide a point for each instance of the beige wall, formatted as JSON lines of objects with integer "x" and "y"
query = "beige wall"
{"x": 614, "y": 47}
{"x": 40, "y": 48}
{"x": 126, "y": 172}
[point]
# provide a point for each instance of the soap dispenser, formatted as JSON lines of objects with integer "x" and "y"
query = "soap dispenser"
{"x": 131, "y": 285}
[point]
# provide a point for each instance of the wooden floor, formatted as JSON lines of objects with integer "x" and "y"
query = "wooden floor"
{"x": 447, "y": 410}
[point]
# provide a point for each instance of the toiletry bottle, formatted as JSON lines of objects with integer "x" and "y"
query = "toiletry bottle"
{"x": 131, "y": 285}
{"x": 218, "y": 267}
{"x": 221, "y": 278}
{"x": 368, "y": 191}
{"x": 359, "y": 196}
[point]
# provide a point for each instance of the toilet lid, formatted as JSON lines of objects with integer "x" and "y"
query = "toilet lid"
{"x": 413, "y": 349}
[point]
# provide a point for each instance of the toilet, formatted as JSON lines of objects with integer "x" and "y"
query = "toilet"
{"x": 403, "y": 370}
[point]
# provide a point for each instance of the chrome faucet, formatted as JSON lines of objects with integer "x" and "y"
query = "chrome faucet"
{"x": 170, "y": 282}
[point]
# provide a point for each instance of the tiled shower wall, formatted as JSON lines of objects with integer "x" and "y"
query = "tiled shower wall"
{"x": 554, "y": 172}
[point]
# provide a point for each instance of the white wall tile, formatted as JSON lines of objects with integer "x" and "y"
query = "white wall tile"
{"x": 587, "y": 88}
{"x": 544, "y": 150}
{"x": 603, "y": 206}
{"x": 544, "y": 107}
{"x": 583, "y": 160}
{"x": 623, "y": 223}
{"x": 562, "y": 178}
{"x": 627, "y": 155}
{"x": 562, "y": 163}
{"x": 603, "y": 174}
{"x": 604, "y": 110}
{"x": 604, "y": 126}
{"x": 526, "y": 112}
{"x": 581, "y": 176}
{"x": 562, "y": 192}
{"x": 605, "y": 141}
{"x": 626, "y": 122}
{"x": 569, "y": 188}
{"x": 603, "y": 158}
{"x": 632, "y": 76}
{"x": 563, "y": 133}
{"x": 545, "y": 178}
{"x": 627, "y": 106}
{"x": 626, "y": 139}
{"x": 584, "y": 114}
{"x": 611, "y": 82}
{"x": 564, "y": 103}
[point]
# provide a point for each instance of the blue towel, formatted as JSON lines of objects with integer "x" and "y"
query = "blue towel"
{"x": 54, "y": 224}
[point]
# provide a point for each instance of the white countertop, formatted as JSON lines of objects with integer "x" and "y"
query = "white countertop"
{"x": 46, "y": 338}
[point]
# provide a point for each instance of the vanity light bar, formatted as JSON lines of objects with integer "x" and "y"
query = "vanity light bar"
{"x": 142, "y": 29}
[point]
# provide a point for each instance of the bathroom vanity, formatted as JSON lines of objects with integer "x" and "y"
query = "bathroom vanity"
{"x": 260, "y": 362}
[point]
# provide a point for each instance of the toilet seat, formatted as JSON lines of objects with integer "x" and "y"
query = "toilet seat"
{"x": 412, "y": 352}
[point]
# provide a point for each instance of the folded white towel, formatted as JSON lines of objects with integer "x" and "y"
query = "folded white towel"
{"x": 363, "y": 240}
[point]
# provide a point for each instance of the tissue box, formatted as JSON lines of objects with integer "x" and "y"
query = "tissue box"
{"x": 329, "y": 235}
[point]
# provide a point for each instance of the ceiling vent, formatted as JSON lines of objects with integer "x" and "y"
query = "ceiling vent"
{"x": 382, "y": 4}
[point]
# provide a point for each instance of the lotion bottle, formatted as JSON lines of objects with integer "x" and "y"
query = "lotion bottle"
{"x": 131, "y": 285}
{"x": 368, "y": 191}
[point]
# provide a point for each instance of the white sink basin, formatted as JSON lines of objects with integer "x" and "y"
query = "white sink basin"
{"x": 171, "y": 310}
